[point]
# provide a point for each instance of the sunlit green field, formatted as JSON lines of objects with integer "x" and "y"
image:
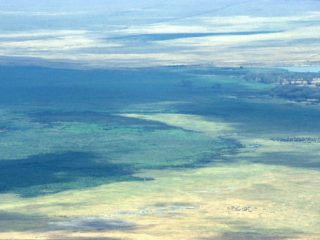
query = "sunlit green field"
{"x": 167, "y": 153}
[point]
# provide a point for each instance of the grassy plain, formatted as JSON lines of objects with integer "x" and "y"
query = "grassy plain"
{"x": 197, "y": 167}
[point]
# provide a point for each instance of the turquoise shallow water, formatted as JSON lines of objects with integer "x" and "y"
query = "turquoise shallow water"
{"x": 61, "y": 129}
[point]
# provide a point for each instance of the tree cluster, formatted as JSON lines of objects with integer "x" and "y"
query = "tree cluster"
{"x": 296, "y": 92}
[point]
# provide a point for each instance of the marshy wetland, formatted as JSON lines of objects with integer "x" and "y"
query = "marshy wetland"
{"x": 155, "y": 153}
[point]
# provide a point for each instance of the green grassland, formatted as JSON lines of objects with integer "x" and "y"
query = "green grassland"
{"x": 169, "y": 153}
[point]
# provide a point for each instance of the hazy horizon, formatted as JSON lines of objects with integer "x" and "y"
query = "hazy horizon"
{"x": 104, "y": 34}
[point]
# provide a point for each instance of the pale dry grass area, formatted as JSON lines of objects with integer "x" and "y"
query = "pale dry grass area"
{"x": 252, "y": 199}
{"x": 255, "y": 199}
{"x": 188, "y": 122}
{"x": 239, "y": 200}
